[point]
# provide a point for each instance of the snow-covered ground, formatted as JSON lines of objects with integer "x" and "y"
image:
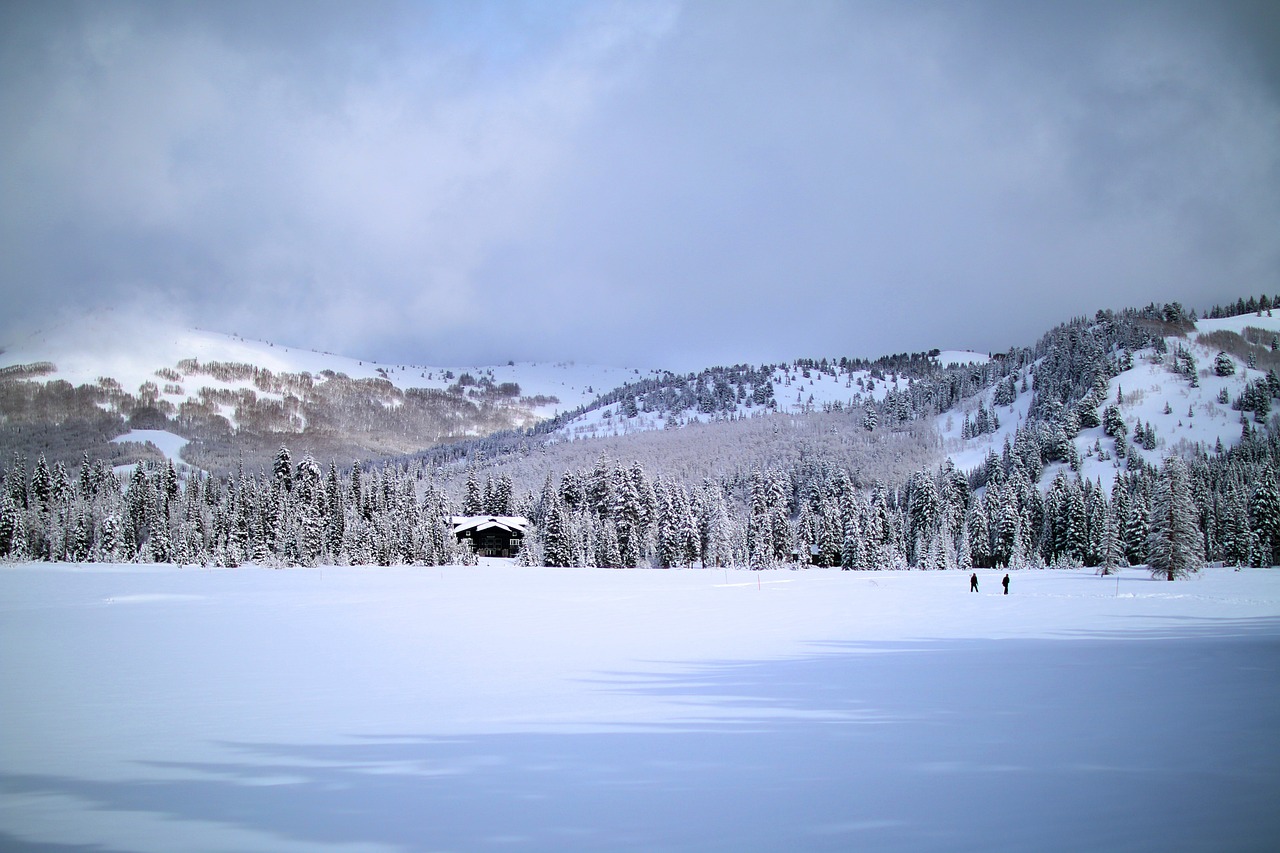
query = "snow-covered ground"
{"x": 155, "y": 708}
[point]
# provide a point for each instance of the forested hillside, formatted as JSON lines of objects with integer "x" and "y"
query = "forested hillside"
{"x": 1071, "y": 452}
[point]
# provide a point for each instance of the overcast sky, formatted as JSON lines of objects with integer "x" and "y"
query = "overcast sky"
{"x": 654, "y": 184}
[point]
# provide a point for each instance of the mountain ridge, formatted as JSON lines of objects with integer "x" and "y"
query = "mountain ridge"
{"x": 77, "y": 379}
{"x": 68, "y": 392}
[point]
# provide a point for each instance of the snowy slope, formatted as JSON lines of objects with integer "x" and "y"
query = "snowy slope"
{"x": 1195, "y": 416}
{"x": 336, "y": 710}
{"x": 967, "y": 454}
{"x": 1142, "y": 393}
{"x": 797, "y": 390}
{"x": 130, "y": 349}
{"x": 137, "y": 351}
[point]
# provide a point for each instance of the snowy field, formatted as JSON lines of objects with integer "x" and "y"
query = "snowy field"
{"x": 149, "y": 708}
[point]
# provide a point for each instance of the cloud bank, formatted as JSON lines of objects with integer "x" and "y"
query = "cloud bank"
{"x": 647, "y": 183}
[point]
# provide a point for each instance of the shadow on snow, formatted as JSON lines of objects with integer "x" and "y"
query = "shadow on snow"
{"x": 930, "y": 745}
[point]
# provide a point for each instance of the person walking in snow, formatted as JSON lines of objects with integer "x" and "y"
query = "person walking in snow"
{"x": 1006, "y": 584}
{"x": 973, "y": 582}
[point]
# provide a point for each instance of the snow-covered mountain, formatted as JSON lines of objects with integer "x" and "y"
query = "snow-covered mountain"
{"x": 215, "y": 387}
{"x": 222, "y": 397}
{"x": 133, "y": 352}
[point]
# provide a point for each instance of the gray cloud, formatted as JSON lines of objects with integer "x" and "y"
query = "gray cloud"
{"x": 640, "y": 183}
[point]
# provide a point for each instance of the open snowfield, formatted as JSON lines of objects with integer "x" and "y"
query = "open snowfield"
{"x": 148, "y": 708}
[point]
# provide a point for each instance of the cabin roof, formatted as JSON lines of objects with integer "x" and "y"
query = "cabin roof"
{"x": 509, "y": 523}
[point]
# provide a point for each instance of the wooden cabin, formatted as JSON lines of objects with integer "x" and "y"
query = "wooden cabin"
{"x": 492, "y": 535}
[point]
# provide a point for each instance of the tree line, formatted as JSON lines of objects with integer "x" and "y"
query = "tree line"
{"x": 292, "y": 515}
{"x": 1222, "y": 506}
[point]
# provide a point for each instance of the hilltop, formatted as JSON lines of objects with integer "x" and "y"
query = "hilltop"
{"x": 73, "y": 388}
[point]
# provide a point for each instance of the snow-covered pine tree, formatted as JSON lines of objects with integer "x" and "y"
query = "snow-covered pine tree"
{"x": 853, "y": 552}
{"x": 283, "y": 469}
{"x": 1234, "y": 533}
{"x": 978, "y": 538}
{"x": 608, "y": 554}
{"x": 1264, "y": 520}
{"x": 1135, "y": 535}
{"x": 42, "y": 484}
{"x": 1095, "y": 524}
{"x": 924, "y": 516}
{"x": 502, "y": 496}
{"x": 759, "y": 524}
{"x": 779, "y": 487}
{"x": 1175, "y": 548}
{"x": 472, "y": 501}
{"x": 964, "y": 555}
{"x": 1112, "y": 545}
{"x": 8, "y": 524}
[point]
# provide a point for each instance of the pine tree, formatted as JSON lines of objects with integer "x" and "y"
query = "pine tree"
{"x": 357, "y": 487}
{"x": 778, "y": 489}
{"x": 283, "y": 469}
{"x": 333, "y": 511}
{"x": 1175, "y": 548}
{"x": 759, "y": 525}
{"x": 1264, "y": 518}
{"x": 923, "y": 515}
{"x": 964, "y": 555}
{"x": 1095, "y": 525}
{"x": 608, "y": 554}
{"x": 1135, "y": 535}
{"x": 1112, "y": 545}
{"x": 831, "y": 533}
{"x": 557, "y": 546}
{"x": 978, "y": 536}
{"x": 853, "y": 551}
{"x": 500, "y": 502}
{"x": 1075, "y": 523}
{"x": 42, "y": 484}
{"x": 1235, "y": 534}
{"x": 9, "y": 524}
{"x": 159, "y": 546}
{"x": 667, "y": 525}
{"x": 472, "y": 502}
{"x": 687, "y": 528}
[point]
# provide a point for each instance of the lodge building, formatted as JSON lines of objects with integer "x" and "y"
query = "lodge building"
{"x": 492, "y": 535}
